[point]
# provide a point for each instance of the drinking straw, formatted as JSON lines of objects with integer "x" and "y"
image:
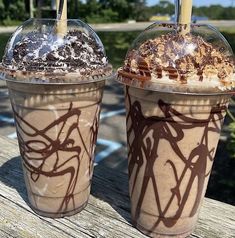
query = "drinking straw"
{"x": 184, "y": 14}
{"x": 61, "y": 6}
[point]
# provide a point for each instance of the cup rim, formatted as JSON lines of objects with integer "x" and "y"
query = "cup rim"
{"x": 178, "y": 89}
{"x": 54, "y": 78}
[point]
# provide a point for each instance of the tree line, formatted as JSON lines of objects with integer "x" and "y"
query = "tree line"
{"x": 102, "y": 11}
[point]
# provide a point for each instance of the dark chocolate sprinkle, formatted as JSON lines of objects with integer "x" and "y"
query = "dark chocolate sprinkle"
{"x": 38, "y": 51}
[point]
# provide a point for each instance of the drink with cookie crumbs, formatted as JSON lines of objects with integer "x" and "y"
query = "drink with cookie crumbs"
{"x": 177, "y": 90}
{"x": 56, "y": 86}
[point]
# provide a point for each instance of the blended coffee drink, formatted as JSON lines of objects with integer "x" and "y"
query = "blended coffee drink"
{"x": 56, "y": 86}
{"x": 178, "y": 87}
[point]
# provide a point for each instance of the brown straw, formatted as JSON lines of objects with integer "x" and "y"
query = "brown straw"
{"x": 185, "y": 15}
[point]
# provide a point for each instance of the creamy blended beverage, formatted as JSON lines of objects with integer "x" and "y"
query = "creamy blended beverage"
{"x": 56, "y": 87}
{"x": 177, "y": 92}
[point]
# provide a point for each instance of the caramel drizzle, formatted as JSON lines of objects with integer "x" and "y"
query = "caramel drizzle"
{"x": 53, "y": 146}
{"x": 142, "y": 148}
{"x": 144, "y": 73}
{"x": 180, "y": 64}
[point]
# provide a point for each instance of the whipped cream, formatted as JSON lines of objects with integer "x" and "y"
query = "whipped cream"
{"x": 182, "y": 60}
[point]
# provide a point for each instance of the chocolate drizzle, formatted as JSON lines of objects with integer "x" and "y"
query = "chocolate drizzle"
{"x": 145, "y": 134}
{"x": 48, "y": 146}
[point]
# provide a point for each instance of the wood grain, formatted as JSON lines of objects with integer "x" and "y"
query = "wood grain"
{"x": 106, "y": 215}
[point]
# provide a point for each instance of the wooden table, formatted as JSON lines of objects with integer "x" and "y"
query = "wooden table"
{"x": 106, "y": 215}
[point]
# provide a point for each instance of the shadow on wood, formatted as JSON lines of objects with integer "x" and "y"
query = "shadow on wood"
{"x": 106, "y": 215}
{"x": 11, "y": 174}
{"x": 119, "y": 201}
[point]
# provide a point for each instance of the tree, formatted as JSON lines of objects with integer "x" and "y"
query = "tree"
{"x": 2, "y": 10}
{"x": 76, "y": 9}
{"x": 13, "y": 10}
{"x": 101, "y": 11}
{"x": 120, "y": 7}
{"x": 140, "y": 11}
{"x": 16, "y": 10}
{"x": 216, "y": 12}
{"x": 164, "y": 7}
{"x": 124, "y": 10}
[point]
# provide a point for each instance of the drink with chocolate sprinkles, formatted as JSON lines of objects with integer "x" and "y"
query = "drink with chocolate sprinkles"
{"x": 56, "y": 85}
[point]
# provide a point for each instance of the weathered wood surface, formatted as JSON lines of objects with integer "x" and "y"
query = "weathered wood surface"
{"x": 107, "y": 214}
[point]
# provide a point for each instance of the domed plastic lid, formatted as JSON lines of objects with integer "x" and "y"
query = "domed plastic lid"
{"x": 36, "y": 52}
{"x": 162, "y": 59}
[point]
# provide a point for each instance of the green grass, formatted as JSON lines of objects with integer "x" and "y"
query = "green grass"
{"x": 117, "y": 44}
{"x": 230, "y": 36}
{"x": 227, "y": 30}
{"x": 3, "y": 40}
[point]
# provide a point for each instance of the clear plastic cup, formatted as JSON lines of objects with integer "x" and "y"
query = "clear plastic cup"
{"x": 172, "y": 140}
{"x": 173, "y": 129}
{"x": 56, "y": 114}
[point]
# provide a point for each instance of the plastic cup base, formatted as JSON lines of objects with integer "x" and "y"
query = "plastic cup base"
{"x": 60, "y": 214}
{"x": 160, "y": 235}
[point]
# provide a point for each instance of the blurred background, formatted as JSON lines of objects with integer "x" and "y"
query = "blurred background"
{"x": 118, "y": 23}
{"x": 104, "y": 11}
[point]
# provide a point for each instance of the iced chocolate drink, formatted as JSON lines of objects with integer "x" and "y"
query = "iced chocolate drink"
{"x": 56, "y": 86}
{"x": 177, "y": 92}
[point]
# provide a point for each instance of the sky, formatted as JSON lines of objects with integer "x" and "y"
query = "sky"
{"x": 200, "y": 2}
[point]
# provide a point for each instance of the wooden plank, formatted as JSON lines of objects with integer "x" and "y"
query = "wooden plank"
{"x": 216, "y": 219}
{"x": 106, "y": 215}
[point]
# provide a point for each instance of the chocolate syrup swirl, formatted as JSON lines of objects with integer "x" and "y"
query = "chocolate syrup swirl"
{"x": 52, "y": 146}
{"x": 147, "y": 134}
